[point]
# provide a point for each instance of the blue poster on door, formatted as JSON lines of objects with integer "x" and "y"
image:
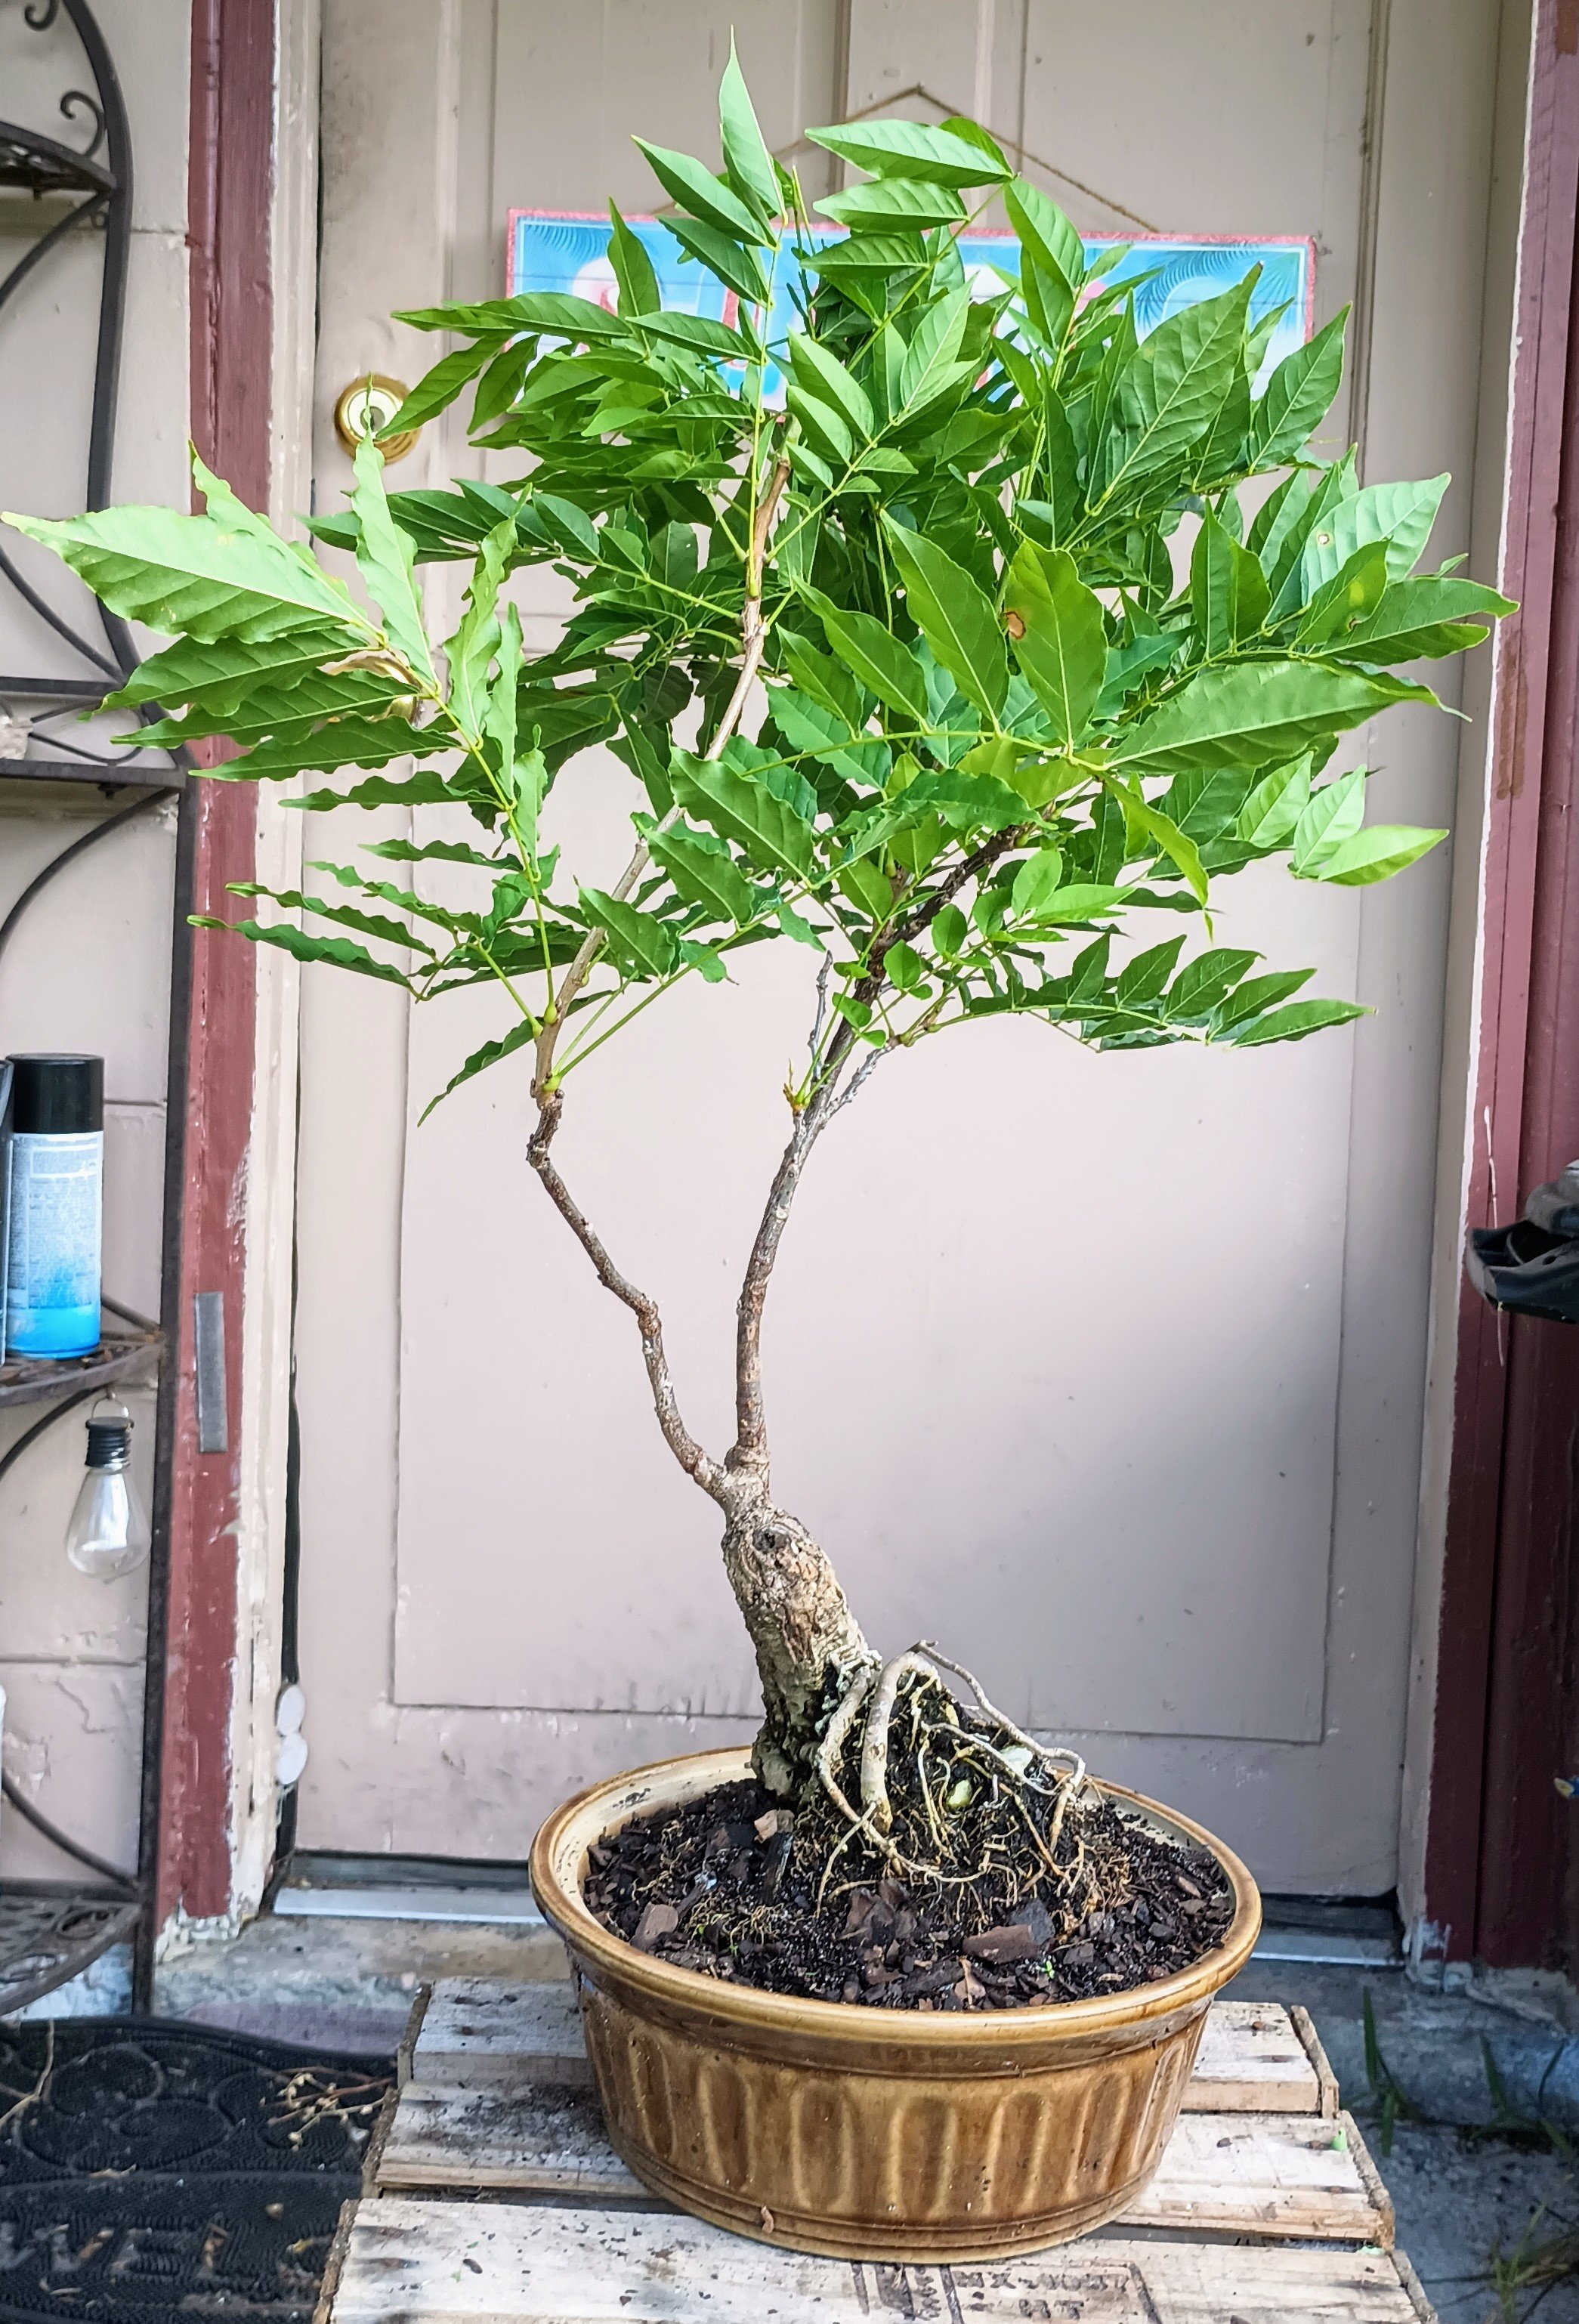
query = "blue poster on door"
{"x": 551, "y": 250}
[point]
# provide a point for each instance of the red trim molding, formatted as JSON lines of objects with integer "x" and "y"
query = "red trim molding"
{"x": 231, "y": 162}
{"x": 1496, "y": 1841}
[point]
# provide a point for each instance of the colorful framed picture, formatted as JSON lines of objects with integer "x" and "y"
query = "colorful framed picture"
{"x": 556, "y": 250}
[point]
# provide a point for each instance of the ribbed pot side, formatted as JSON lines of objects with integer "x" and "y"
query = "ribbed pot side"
{"x": 874, "y": 2134}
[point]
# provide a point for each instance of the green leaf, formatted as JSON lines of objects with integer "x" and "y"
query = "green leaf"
{"x": 386, "y": 558}
{"x": 338, "y": 951}
{"x": 952, "y": 614}
{"x": 639, "y": 290}
{"x": 1292, "y": 1024}
{"x": 1170, "y": 390}
{"x": 1253, "y": 713}
{"x": 1035, "y": 883}
{"x": 1150, "y": 831}
{"x": 426, "y": 788}
{"x": 557, "y": 311}
{"x": 570, "y": 526}
{"x": 930, "y": 357}
{"x": 950, "y": 931}
{"x": 1298, "y": 395}
{"x": 1256, "y": 995}
{"x": 750, "y": 164}
{"x": 704, "y": 872}
{"x": 694, "y": 187}
{"x": 1062, "y": 645}
{"x": 348, "y": 915}
{"x": 732, "y": 262}
{"x": 1401, "y": 515}
{"x": 697, "y": 333}
{"x": 879, "y": 660}
{"x": 1046, "y": 233}
{"x": 1202, "y": 983}
{"x": 1271, "y": 815}
{"x": 905, "y": 966}
{"x": 225, "y": 671}
{"x": 638, "y": 941}
{"x": 475, "y": 644}
{"x": 827, "y": 426}
{"x": 202, "y": 577}
{"x": 1335, "y": 812}
{"x": 437, "y": 389}
{"x": 1425, "y": 618}
{"x": 893, "y": 202}
{"x": 1376, "y": 854}
{"x": 481, "y": 1060}
{"x": 1347, "y": 601}
{"x": 1229, "y": 599}
{"x": 1143, "y": 981}
{"x": 1081, "y": 900}
{"x": 970, "y": 802}
{"x": 772, "y": 831}
{"x": 911, "y": 149}
{"x": 822, "y": 374}
{"x": 432, "y": 851}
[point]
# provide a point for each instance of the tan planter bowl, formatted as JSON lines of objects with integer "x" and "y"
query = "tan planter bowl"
{"x": 874, "y": 2134}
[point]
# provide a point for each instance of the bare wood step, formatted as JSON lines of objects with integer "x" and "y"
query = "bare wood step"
{"x": 474, "y": 2034}
{"x": 1282, "y": 2175}
{"x": 427, "y": 2261}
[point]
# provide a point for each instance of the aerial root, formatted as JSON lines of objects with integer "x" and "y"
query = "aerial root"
{"x": 1005, "y": 1757}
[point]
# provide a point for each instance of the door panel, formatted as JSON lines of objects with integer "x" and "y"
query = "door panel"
{"x": 1104, "y": 1371}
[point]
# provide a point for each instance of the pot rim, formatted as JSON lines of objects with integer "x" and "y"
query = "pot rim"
{"x": 1025, "y": 2024}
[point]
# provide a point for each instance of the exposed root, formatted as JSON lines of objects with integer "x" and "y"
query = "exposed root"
{"x": 985, "y": 1806}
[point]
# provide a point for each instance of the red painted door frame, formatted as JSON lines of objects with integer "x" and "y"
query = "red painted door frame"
{"x": 188, "y": 1836}
{"x": 1497, "y": 1849}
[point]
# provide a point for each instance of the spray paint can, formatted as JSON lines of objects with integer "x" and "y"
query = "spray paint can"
{"x": 57, "y": 1206}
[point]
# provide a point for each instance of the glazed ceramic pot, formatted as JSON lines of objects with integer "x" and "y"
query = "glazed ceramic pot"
{"x": 874, "y": 2134}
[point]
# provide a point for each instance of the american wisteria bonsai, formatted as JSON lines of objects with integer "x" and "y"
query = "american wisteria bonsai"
{"x": 908, "y": 665}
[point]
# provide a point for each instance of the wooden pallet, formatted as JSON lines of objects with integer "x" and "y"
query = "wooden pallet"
{"x": 493, "y": 2197}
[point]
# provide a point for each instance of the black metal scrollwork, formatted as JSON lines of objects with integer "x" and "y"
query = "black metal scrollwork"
{"x": 47, "y": 1938}
{"x": 69, "y": 105}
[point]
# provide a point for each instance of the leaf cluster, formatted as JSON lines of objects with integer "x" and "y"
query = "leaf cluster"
{"x": 1003, "y": 714}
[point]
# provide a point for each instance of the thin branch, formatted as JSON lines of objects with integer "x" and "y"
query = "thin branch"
{"x": 697, "y": 1464}
{"x": 752, "y": 639}
{"x": 750, "y": 1435}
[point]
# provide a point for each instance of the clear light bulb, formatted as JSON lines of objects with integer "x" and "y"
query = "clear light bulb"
{"x": 109, "y": 1532}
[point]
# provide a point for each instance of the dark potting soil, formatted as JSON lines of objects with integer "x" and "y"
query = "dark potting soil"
{"x": 730, "y": 1883}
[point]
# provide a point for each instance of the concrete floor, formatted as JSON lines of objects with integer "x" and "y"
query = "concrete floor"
{"x": 1463, "y": 2190}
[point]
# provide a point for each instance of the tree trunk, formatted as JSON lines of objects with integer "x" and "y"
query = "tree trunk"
{"x": 807, "y": 1642}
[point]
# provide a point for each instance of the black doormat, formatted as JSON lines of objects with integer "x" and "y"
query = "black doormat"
{"x": 152, "y": 2169}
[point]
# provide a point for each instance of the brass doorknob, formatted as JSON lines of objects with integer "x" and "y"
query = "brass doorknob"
{"x": 368, "y": 405}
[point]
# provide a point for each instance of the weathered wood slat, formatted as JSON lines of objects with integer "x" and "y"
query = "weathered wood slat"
{"x": 1283, "y": 2175}
{"x": 429, "y": 2261}
{"x": 1252, "y": 2060}
{"x": 478, "y": 2035}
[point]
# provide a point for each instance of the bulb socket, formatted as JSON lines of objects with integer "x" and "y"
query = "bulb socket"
{"x": 109, "y": 1443}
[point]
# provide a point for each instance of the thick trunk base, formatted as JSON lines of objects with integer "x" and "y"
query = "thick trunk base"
{"x": 807, "y": 1641}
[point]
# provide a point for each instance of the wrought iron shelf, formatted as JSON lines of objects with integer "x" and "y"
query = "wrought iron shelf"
{"x": 32, "y": 163}
{"x": 51, "y": 1931}
{"x": 100, "y": 773}
{"x": 28, "y": 1380}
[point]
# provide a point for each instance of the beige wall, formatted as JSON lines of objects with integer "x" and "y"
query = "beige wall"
{"x": 1108, "y": 1370}
{"x": 89, "y": 967}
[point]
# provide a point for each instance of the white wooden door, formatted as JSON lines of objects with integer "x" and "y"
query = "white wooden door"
{"x": 1106, "y": 1372}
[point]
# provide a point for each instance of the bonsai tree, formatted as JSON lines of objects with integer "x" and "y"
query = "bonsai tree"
{"x": 965, "y": 662}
